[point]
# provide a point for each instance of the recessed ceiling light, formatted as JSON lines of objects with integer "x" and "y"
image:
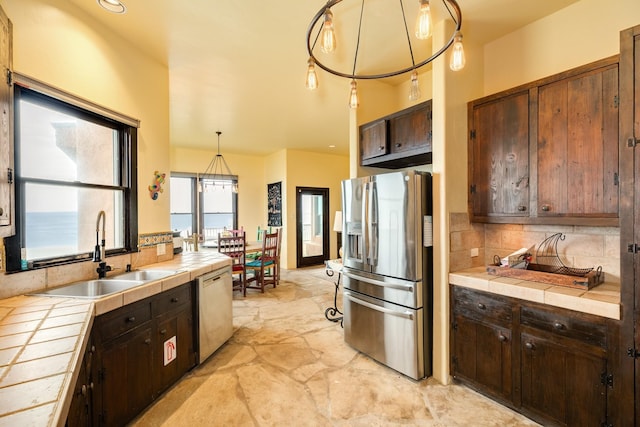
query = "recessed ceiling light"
{"x": 332, "y": 146}
{"x": 114, "y": 6}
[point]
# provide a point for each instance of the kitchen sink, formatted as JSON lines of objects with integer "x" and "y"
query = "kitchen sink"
{"x": 92, "y": 288}
{"x": 145, "y": 275}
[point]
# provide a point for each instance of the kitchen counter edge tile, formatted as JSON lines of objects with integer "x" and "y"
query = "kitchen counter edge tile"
{"x": 602, "y": 300}
{"x": 43, "y": 340}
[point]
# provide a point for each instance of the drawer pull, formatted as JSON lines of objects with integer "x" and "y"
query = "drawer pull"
{"x": 175, "y": 299}
{"x": 529, "y": 346}
{"x": 502, "y": 337}
{"x": 558, "y": 325}
{"x": 131, "y": 319}
{"x": 381, "y": 148}
{"x": 398, "y": 145}
{"x": 162, "y": 332}
{"x": 147, "y": 341}
{"x": 522, "y": 208}
{"x": 481, "y": 306}
{"x": 546, "y": 208}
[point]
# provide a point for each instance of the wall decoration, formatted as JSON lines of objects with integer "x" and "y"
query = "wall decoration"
{"x": 156, "y": 187}
{"x": 274, "y": 204}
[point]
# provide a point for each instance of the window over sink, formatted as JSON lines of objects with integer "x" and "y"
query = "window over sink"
{"x": 71, "y": 163}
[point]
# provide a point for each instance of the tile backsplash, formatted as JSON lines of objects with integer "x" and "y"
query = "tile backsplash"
{"x": 25, "y": 282}
{"x": 582, "y": 247}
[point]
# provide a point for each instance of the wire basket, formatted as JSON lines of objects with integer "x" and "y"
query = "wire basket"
{"x": 547, "y": 257}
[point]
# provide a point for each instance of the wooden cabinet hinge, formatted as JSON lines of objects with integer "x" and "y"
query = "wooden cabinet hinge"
{"x": 633, "y": 248}
{"x": 616, "y": 101}
{"x": 10, "y": 175}
{"x": 632, "y": 352}
{"x": 632, "y": 142}
{"x": 9, "y": 78}
{"x": 606, "y": 379}
{"x": 616, "y": 179}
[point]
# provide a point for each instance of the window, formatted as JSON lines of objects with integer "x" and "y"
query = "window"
{"x": 214, "y": 210}
{"x": 71, "y": 164}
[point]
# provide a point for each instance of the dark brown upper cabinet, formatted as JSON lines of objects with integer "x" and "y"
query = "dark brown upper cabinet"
{"x": 402, "y": 139}
{"x": 547, "y": 152}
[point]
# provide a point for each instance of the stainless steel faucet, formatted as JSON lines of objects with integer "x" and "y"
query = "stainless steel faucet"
{"x": 99, "y": 254}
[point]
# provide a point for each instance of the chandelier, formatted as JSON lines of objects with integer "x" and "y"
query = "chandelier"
{"x": 218, "y": 176}
{"x": 326, "y": 35}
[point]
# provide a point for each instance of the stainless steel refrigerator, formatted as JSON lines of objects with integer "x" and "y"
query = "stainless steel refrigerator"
{"x": 388, "y": 269}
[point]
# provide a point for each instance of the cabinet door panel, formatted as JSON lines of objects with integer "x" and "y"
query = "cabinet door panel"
{"x": 577, "y": 145}
{"x": 411, "y": 131}
{"x": 500, "y": 157}
{"x": 373, "y": 140}
{"x": 6, "y": 118}
{"x": 126, "y": 376}
{"x": 562, "y": 383}
{"x": 482, "y": 354}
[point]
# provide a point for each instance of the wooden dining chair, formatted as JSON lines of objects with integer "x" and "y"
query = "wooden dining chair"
{"x": 263, "y": 263}
{"x": 275, "y": 270}
{"x": 234, "y": 246}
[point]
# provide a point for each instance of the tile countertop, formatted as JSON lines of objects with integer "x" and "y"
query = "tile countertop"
{"x": 602, "y": 300}
{"x": 42, "y": 340}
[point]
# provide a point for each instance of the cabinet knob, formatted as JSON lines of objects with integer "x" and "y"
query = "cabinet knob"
{"x": 131, "y": 319}
{"x": 546, "y": 208}
{"x": 398, "y": 145}
{"x": 162, "y": 332}
{"x": 522, "y": 208}
{"x": 558, "y": 325}
{"x": 481, "y": 306}
{"x": 502, "y": 337}
{"x": 381, "y": 148}
{"x": 83, "y": 390}
{"x": 1, "y": 211}
{"x": 529, "y": 346}
{"x": 147, "y": 341}
{"x": 174, "y": 299}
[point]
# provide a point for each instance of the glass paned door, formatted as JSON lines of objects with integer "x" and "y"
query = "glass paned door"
{"x": 312, "y": 226}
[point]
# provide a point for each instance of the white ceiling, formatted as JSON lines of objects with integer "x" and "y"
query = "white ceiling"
{"x": 239, "y": 66}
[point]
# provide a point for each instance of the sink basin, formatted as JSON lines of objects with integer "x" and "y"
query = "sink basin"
{"x": 145, "y": 275}
{"x": 92, "y": 288}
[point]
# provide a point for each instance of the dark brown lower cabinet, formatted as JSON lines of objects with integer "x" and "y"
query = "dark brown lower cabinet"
{"x": 81, "y": 408}
{"x": 548, "y": 363}
{"x": 140, "y": 350}
{"x": 482, "y": 354}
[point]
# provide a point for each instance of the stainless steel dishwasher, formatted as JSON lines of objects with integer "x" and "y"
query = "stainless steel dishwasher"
{"x": 215, "y": 315}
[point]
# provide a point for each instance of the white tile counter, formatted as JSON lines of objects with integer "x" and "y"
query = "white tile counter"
{"x": 42, "y": 341}
{"x": 602, "y": 300}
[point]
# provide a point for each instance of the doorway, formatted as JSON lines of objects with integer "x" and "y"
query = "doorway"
{"x": 312, "y": 225}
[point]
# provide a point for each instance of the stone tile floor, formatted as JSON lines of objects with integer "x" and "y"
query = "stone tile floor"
{"x": 287, "y": 365}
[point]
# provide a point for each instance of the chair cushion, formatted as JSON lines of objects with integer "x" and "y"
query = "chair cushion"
{"x": 258, "y": 263}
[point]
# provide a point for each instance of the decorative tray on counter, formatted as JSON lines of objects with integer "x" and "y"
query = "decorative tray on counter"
{"x": 550, "y": 269}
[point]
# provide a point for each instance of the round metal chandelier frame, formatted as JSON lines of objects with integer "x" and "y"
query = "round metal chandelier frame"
{"x": 457, "y": 19}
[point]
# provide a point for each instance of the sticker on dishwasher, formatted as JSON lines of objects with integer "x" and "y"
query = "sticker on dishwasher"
{"x": 170, "y": 350}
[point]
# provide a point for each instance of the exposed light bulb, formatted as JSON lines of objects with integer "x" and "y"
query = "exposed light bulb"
{"x": 457, "y": 54}
{"x": 312, "y": 77}
{"x": 353, "y": 96}
{"x": 414, "y": 87}
{"x": 423, "y": 22}
{"x": 328, "y": 37}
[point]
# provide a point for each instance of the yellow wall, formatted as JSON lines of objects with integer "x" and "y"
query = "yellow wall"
{"x": 581, "y": 33}
{"x": 61, "y": 46}
{"x": 311, "y": 170}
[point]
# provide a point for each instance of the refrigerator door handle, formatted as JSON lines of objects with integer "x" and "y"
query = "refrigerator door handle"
{"x": 406, "y": 314}
{"x": 373, "y": 223}
{"x": 408, "y": 288}
{"x": 365, "y": 222}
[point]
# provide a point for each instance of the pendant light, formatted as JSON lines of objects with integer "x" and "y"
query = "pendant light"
{"x": 423, "y": 22}
{"x": 457, "y": 60}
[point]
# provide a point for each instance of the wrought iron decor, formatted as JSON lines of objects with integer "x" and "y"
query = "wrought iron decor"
{"x": 274, "y": 204}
